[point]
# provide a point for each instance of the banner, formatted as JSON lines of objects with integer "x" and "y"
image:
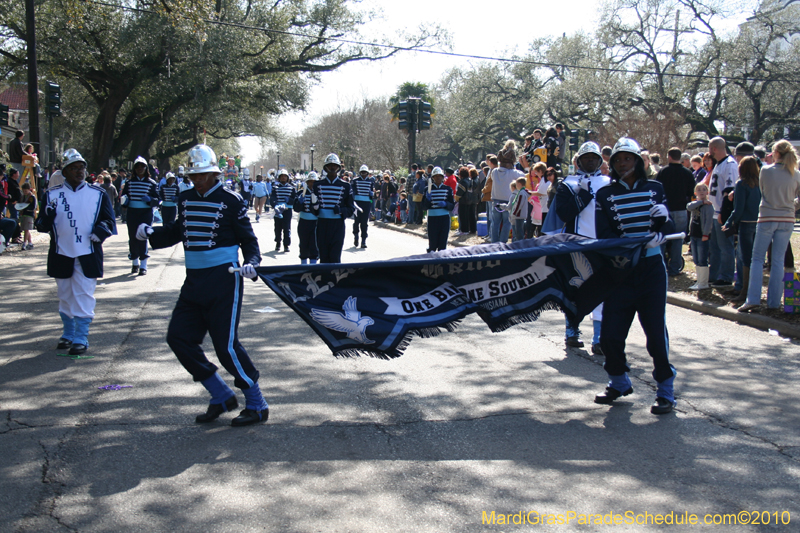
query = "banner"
{"x": 375, "y": 308}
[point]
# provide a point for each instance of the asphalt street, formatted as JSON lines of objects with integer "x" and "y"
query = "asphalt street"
{"x": 461, "y": 426}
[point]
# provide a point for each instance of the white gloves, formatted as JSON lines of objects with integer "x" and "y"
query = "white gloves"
{"x": 659, "y": 210}
{"x": 657, "y": 240}
{"x": 314, "y": 198}
{"x": 583, "y": 184}
{"x": 248, "y": 271}
{"x": 94, "y": 238}
{"x": 143, "y": 232}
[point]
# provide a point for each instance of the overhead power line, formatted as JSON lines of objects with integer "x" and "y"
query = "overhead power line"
{"x": 452, "y": 54}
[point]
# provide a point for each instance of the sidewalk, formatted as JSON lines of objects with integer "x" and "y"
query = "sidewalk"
{"x": 784, "y": 328}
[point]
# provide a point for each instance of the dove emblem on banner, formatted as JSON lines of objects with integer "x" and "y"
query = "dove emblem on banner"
{"x": 582, "y": 266}
{"x": 350, "y": 322}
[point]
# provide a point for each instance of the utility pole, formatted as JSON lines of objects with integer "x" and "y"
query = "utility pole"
{"x": 33, "y": 78}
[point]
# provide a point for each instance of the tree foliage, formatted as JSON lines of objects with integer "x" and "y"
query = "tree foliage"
{"x": 161, "y": 79}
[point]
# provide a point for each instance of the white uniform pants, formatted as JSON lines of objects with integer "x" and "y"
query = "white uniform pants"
{"x": 76, "y": 294}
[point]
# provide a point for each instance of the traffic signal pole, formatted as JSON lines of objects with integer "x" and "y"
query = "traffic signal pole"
{"x": 415, "y": 116}
{"x": 33, "y": 78}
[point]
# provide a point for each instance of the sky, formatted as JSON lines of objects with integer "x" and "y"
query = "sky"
{"x": 475, "y": 28}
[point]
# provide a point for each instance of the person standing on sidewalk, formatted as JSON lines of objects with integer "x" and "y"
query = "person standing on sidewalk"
{"x": 780, "y": 189}
{"x": 678, "y": 185}
{"x": 723, "y": 180}
{"x": 213, "y": 226}
{"x": 79, "y": 217}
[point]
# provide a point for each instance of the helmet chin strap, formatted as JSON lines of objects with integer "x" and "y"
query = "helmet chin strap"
{"x": 628, "y": 173}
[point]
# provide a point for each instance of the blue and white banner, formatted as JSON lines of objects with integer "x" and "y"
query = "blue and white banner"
{"x": 374, "y": 308}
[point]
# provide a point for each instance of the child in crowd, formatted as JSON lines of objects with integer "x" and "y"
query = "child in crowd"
{"x": 518, "y": 209}
{"x": 26, "y": 216}
{"x": 403, "y": 207}
{"x": 702, "y": 222}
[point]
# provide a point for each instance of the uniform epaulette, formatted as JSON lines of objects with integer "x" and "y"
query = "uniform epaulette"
{"x": 236, "y": 194}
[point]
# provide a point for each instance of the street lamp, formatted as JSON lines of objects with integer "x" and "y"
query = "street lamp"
{"x": 312, "y": 157}
{"x": 279, "y": 160}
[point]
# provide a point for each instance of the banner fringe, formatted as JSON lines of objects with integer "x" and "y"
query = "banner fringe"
{"x": 531, "y": 316}
{"x": 424, "y": 333}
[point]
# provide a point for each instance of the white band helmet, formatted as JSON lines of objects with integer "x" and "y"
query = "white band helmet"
{"x": 332, "y": 159}
{"x": 72, "y": 156}
{"x": 202, "y": 159}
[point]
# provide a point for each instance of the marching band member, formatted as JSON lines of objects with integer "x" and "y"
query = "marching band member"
{"x": 307, "y": 223}
{"x": 80, "y": 217}
{"x": 439, "y": 202}
{"x": 282, "y": 199}
{"x": 363, "y": 189}
{"x": 575, "y": 205}
{"x": 213, "y": 226}
{"x": 141, "y": 196}
{"x": 633, "y": 206}
{"x": 169, "y": 195}
{"x": 334, "y": 205}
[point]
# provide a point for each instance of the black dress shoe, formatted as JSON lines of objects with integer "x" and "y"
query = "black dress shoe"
{"x": 134, "y": 269}
{"x": 278, "y": 247}
{"x": 63, "y": 344}
{"x": 249, "y": 416}
{"x": 364, "y": 244}
{"x": 216, "y": 409}
{"x": 78, "y": 349}
{"x": 661, "y": 406}
{"x": 611, "y": 394}
{"x": 286, "y": 249}
{"x": 597, "y": 350}
{"x": 143, "y": 272}
{"x": 574, "y": 342}
{"x": 355, "y": 241}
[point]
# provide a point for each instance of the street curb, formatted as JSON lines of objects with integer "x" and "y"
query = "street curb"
{"x": 756, "y": 321}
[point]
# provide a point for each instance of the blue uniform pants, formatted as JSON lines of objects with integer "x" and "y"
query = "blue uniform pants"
{"x": 646, "y": 295}
{"x": 168, "y": 213}
{"x": 211, "y": 302}
{"x": 361, "y": 220}
{"x": 307, "y": 235}
{"x": 330, "y": 239}
{"x": 136, "y": 248}
{"x": 438, "y": 231}
{"x": 283, "y": 226}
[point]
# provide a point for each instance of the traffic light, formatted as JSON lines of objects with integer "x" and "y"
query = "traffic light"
{"x": 573, "y": 139}
{"x": 3, "y": 115}
{"x": 424, "y": 115}
{"x": 53, "y": 99}
{"x": 406, "y": 119}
